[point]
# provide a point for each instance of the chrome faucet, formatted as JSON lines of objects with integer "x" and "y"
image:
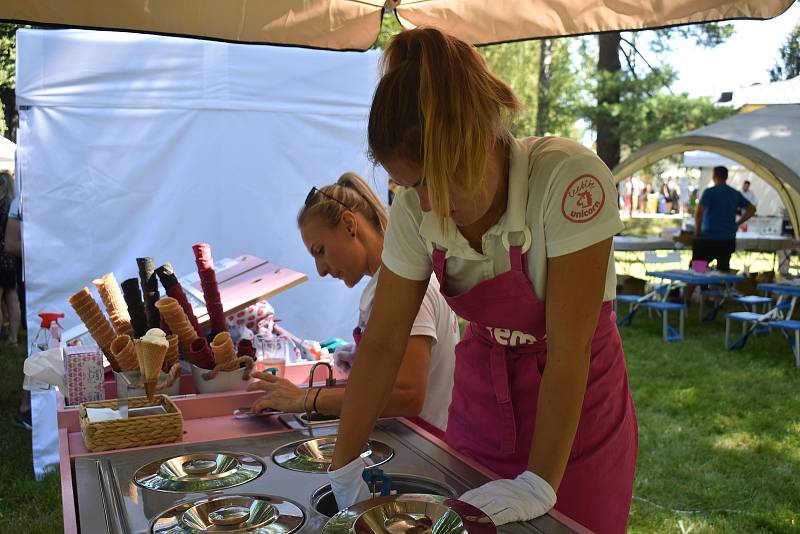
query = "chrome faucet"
{"x": 329, "y": 382}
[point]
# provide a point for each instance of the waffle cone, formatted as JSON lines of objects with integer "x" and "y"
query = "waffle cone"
{"x": 109, "y": 291}
{"x": 151, "y": 358}
{"x": 124, "y": 352}
{"x": 171, "y": 358}
{"x": 82, "y": 296}
{"x": 222, "y": 349}
{"x": 176, "y": 320}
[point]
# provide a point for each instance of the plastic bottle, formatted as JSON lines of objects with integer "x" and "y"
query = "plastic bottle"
{"x": 48, "y": 336}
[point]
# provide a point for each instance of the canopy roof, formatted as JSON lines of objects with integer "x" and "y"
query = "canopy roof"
{"x": 765, "y": 141}
{"x": 782, "y": 92}
{"x": 354, "y": 24}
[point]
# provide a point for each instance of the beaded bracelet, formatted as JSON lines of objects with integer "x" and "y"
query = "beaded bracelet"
{"x": 305, "y": 400}
{"x": 316, "y": 396}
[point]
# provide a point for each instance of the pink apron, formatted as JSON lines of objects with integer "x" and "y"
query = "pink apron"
{"x": 499, "y": 364}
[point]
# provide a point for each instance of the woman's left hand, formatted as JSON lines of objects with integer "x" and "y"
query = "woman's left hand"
{"x": 280, "y": 394}
{"x": 526, "y": 497}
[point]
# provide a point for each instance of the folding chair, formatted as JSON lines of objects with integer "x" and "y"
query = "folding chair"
{"x": 754, "y": 322}
{"x": 786, "y": 326}
{"x": 668, "y": 331}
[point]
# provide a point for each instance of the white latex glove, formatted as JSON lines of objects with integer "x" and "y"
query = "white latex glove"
{"x": 344, "y": 356}
{"x": 347, "y": 485}
{"x": 526, "y": 497}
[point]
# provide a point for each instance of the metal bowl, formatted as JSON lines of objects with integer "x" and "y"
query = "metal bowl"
{"x": 201, "y": 471}
{"x": 410, "y": 514}
{"x": 315, "y": 455}
{"x": 254, "y": 514}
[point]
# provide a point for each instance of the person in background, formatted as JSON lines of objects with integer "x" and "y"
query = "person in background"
{"x": 663, "y": 199}
{"x": 10, "y": 254}
{"x": 8, "y": 263}
{"x": 748, "y": 193}
{"x": 342, "y": 226}
{"x": 715, "y": 221}
{"x": 672, "y": 197}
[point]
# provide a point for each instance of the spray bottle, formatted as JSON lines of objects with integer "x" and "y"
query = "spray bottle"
{"x": 49, "y": 334}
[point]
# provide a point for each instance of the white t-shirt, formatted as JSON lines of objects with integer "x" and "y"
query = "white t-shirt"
{"x": 561, "y": 199}
{"x": 437, "y": 321}
{"x": 749, "y": 195}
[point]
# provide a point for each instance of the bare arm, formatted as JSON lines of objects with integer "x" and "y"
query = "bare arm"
{"x": 380, "y": 354}
{"x": 749, "y": 211}
{"x": 406, "y": 399}
{"x": 698, "y": 220}
{"x": 575, "y": 285}
{"x": 408, "y": 394}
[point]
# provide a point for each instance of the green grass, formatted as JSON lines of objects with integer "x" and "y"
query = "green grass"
{"x": 719, "y": 437}
{"x": 26, "y": 506}
{"x": 719, "y": 431}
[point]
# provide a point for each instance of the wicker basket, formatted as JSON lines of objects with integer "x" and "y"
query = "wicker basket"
{"x": 135, "y": 431}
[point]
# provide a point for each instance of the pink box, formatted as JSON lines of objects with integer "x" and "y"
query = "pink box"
{"x": 700, "y": 266}
{"x": 84, "y": 369}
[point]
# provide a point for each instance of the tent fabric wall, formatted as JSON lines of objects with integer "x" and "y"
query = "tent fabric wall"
{"x": 7, "y": 150}
{"x": 133, "y": 145}
{"x": 136, "y": 145}
{"x": 764, "y": 141}
{"x": 354, "y": 24}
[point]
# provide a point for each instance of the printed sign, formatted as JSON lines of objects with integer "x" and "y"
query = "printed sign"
{"x": 583, "y": 199}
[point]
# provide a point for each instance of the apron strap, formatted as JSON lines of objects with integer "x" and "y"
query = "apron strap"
{"x": 499, "y": 376}
{"x": 439, "y": 261}
{"x": 518, "y": 260}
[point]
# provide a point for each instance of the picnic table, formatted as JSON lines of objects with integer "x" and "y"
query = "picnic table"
{"x": 778, "y": 316}
{"x": 682, "y": 277}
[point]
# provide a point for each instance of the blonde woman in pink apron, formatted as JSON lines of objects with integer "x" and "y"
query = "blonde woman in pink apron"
{"x": 519, "y": 234}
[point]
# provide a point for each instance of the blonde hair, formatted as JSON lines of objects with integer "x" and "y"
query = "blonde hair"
{"x": 439, "y": 106}
{"x": 350, "y": 192}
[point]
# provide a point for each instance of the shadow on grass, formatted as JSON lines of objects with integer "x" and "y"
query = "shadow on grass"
{"x": 719, "y": 431}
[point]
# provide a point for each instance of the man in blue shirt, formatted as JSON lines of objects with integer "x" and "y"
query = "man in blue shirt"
{"x": 716, "y": 222}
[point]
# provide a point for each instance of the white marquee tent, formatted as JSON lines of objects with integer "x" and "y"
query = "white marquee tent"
{"x": 137, "y": 145}
{"x": 764, "y": 141}
{"x": 7, "y": 149}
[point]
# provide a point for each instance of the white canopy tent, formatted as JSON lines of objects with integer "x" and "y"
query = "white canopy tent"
{"x": 137, "y": 145}
{"x": 781, "y": 92}
{"x": 764, "y": 141}
{"x": 354, "y": 24}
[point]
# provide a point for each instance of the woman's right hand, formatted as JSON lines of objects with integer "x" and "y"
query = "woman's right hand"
{"x": 280, "y": 394}
{"x": 344, "y": 356}
{"x": 347, "y": 484}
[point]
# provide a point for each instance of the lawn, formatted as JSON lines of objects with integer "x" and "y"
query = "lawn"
{"x": 26, "y": 506}
{"x": 719, "y": 437}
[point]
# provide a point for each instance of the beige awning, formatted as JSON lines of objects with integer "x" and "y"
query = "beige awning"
{"x": 354, "y": 24}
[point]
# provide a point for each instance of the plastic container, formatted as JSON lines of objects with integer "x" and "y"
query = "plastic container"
{"x": 223, "y": 382}
{"x": 700, "y": 266}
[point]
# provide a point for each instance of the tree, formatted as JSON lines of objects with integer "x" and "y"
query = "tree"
{"x": 518, "y": 65}
{"x": 788, "y": 66}
{"x": 621, "y": 92}
{"x": 8, "y": 54}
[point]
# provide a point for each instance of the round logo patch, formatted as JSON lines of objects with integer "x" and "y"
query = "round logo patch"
{"x": 583, "y": 199}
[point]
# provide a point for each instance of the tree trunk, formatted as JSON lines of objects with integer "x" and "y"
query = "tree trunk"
{"x": 608, "y": 147}
{"x": 543, "y": 104}
{"x": 8, "y": 100}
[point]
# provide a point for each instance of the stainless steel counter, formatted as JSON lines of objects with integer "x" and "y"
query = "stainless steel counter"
{"x": 109, "y": 502}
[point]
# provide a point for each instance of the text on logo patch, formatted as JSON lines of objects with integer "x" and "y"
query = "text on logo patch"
{"x": 583, "y": 199}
